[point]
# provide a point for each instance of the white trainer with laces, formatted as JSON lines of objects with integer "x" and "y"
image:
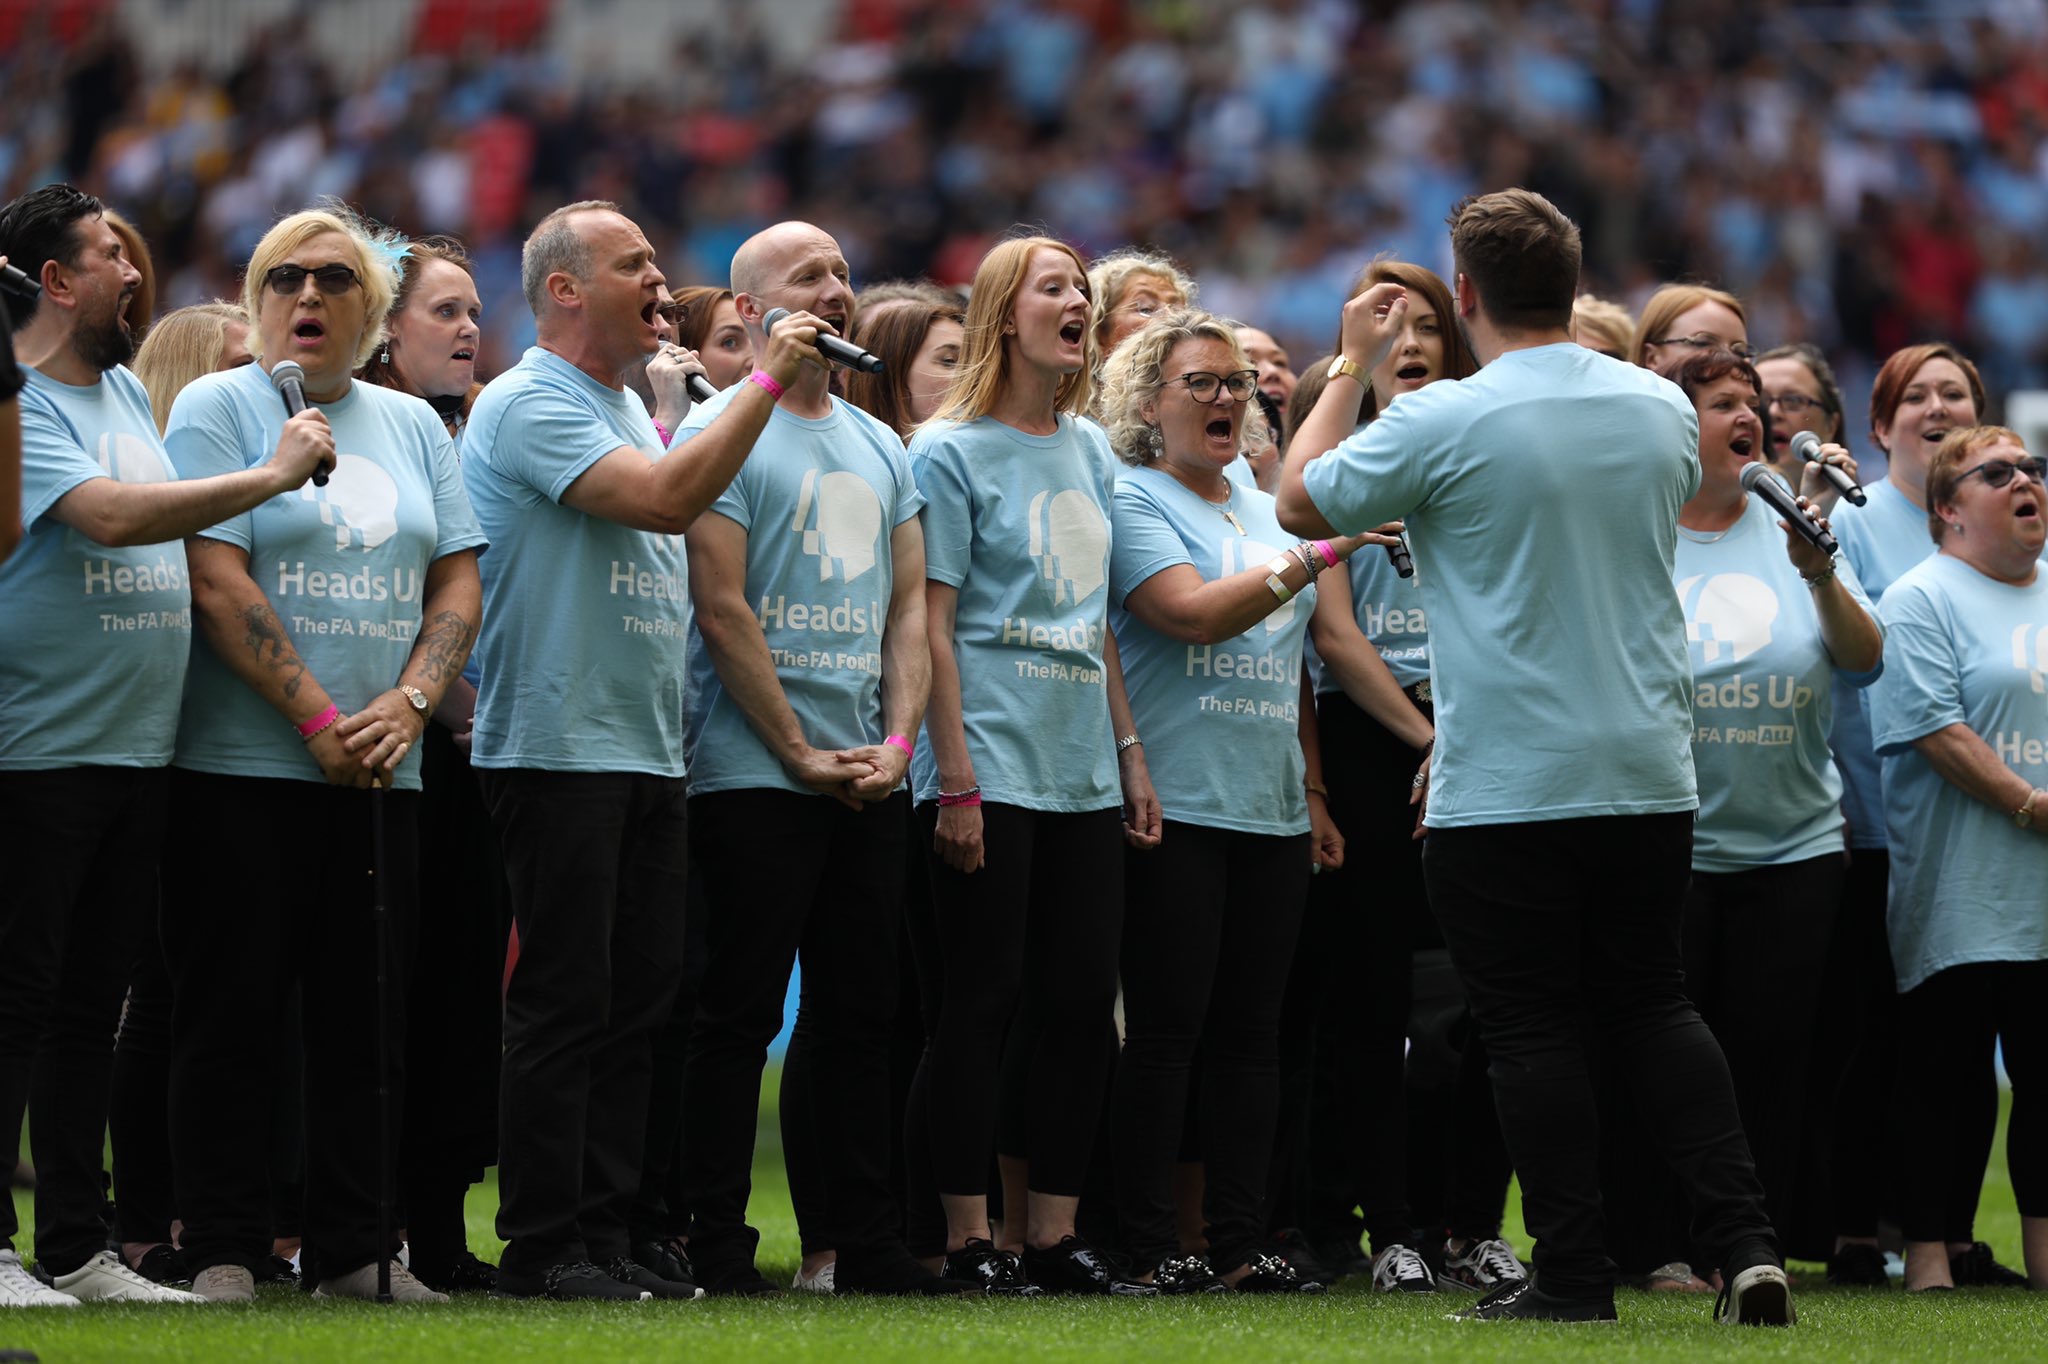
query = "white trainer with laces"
{"x": 104, "y": 1278}
{"x": 1401, "y": 1269}
{"x": 820, "y": 1282}
{"x": 1481, "y": 1267}
{"x": 19, "y": 1288}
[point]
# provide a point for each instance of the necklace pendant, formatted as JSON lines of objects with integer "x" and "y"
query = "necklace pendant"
{"x": 1231, "y": 517}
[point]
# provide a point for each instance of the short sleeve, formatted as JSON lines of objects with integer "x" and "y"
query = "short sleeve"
{"x": 52, "y": 460}
{"x": 948, "y": 509}
{"x": 1847, "y": 574}
{"x": 1142, "y": 541}
{"x": 455, "y": 523}
{"x": 547, "y": 439}
{"x": 1921, "y": 690}
{"x": 204, "y": 439}
{"x": 1377, "y": 474}
{"x": 909, "y": 501}
{"x": 736, "y": 503}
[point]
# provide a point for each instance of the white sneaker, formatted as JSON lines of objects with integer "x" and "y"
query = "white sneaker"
{"x": 104, "y": 1278}
{"x": 1483, "y": 1267}
{"x": 820, "y": 1282}
{"x": 1401, "y": 1269}
{"x": 19, "y": 1288}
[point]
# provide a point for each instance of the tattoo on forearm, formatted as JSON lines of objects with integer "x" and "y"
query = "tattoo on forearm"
{"x": 264, "y": 633}
{"x": 444, "y": 646}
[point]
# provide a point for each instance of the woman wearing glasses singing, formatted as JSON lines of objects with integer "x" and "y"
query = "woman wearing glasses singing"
{"x": 1963, "y": 732}
{"x": 334, "y": 619}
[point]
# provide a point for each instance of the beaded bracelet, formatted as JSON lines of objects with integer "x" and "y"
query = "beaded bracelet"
{"x": 950, "y": 799}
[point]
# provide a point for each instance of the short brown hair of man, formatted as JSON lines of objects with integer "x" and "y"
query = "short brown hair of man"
{"x": 1521, "y": 254}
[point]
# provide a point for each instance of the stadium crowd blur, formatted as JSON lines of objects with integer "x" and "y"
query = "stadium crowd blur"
{"x": 1860, "y": 175}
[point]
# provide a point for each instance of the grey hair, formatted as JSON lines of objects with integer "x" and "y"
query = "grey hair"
{"x": 1135, "y": 374}
{"x": 556, "y": 246}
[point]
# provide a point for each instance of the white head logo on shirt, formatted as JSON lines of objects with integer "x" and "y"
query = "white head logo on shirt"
{"x": 130, "y": 459}
{"x": 1240, "y": 554}
{"x": 360, "y": 501}
{"x": 2036, "y": 667}
{"x": 1728, "y": 615}
{"x": 847, "y": 525}
{"x": 1070, "y": 540}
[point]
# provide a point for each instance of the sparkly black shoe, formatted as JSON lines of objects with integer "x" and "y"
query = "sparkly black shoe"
{"x": 1074, "y": 1266}
{"x": 1180, "y": 1274}
{"x": 996, "y": 1272}
{"x": 1270, "y": 1273}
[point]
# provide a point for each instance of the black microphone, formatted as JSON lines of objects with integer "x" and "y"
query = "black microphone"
{"x": 700, "y": 388}
{"x": 1404, "y": 562}
{"x": 1806, "y": 445}
{"x": 836, "y": 350}
{"x": 1759, "y": 481}
{"x": 17, "y": 284}
{"x": 289, "y": 379}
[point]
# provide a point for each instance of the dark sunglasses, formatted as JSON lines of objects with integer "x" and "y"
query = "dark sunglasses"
{"x": 1998, "y": 472}
{"x": 287, "y": 280}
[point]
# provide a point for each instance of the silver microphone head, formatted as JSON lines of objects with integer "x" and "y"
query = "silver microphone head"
{"x": 771, "y": 317}
{"x": 287, "y": 372}
{"x": 1806, "y": 446}
{"x": 1754, "y": 473}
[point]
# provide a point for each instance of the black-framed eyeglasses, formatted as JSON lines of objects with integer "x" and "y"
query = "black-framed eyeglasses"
{"x": 1998, "y": 472}
{"x": 1202, "y": 385}
{"x": 1795, "y": 403}
{"x": 287, "y": 280}
{"x": 1743, "y": 350}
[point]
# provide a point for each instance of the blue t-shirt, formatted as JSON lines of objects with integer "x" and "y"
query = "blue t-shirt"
{"x": 344, "y": 566}
{"x": 93, "y": 639}
{"x": 819, "y": 500}
{"x": 1880, "y": 540}
{"x": 1542, "y": 498}
{"x": 1762, "y": 693}
{"x": 1221, "y": 722}
{"x": 1020, "y": 525}
{"x": 1968, "y": 884}
{"x": 1390, "y": 614}
{"x": 584, "y": 619}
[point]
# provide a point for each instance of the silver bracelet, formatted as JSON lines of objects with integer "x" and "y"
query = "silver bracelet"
{"x": 1127, "y": 741}
{"x": 1822, "y": 578}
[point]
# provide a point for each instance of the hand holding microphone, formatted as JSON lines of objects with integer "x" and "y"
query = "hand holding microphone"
{"x": 1760, "y": 482}
{"x": 307, "y": 439}
{"x": 833, "y": 348}
{"x": 1808, "y": 448}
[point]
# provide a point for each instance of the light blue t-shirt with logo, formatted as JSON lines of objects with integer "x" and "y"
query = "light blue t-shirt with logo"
{"x": 819, "y": 499}
{"x": 1762, "y": 697}
{"x": 1968, "y": 885}
{"x": 1221, "y": 722}
{"x": 1390, "y": 614}
{"x": 344, "y": 566}
{"x": 1020, "y": 525}
{"x": 1541, "y": 497}
{"x": 1881, "y": 541}
{"x": 93, "y": 639}
{"x": 584, "y": 619}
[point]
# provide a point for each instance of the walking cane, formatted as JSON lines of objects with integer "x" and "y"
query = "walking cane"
{"x": 380, "y": 914}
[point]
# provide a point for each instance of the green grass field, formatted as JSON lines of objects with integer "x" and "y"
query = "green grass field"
{"x": 1349, "y": 1324}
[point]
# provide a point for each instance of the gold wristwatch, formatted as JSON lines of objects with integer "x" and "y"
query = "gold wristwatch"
{"x": 1344, "y": 365}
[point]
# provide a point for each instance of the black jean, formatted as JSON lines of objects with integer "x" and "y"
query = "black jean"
{"x": 832, "y": 901}
{"x": 1756, "y": 961}
{"x": 79, "y": 846}
{"x": 1043, "y": 916}
{"x": 1210, "y": 921}
{"x": 139, "y": 1106}
{"x": 596, "y": 862}
{"x": 268, "y": 883}
{"x": 1949, "y": 1025}
{"x": 1553, "y": 920}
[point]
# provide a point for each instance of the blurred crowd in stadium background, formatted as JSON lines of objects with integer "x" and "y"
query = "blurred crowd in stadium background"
{"x": 1862, "y": 175}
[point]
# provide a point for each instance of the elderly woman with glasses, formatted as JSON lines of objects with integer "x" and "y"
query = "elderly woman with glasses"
{"x": 333, "y": 619}
{"x": 1958, "y": 720}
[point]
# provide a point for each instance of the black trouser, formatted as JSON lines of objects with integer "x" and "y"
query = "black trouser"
{"x": 1043, "y": 916}
{"x": 1458, "y": 1169}
{"x": 833, "y": 899}
{"x": 596, "y": 862}
{"x": 1864, "y": 1012}
{"x": 660, "y": 1212}
{"x": 268, "y": 882}
{"x": 1210, "y": 921}
{"x": 1551, "y": 920}
{"x": 1949, "y": 1025}
{"x": 79, "y": 849}
{"x": 454, "y": 1015}
{"x": 1756, "y": 960}
{"x": 138, "y": 1114}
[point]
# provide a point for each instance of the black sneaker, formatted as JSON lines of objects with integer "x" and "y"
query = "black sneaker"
{"x": 1526, "y": 1302}
{"x": 1179, "y": 1274}
{"x": 893, "y": 1276}
{"x": 637, "y": 1275}
{"x": 164, "y": 1265}
{"x": 1401, "y": 1269}
{"x": 1859, "y": 1266}
{"x": 1977, "y": 1267}
{"x": 1293, "y": 1245}
{"x": 577, "y": 1281}
{"x": 276, "y": 1269}
{"x": 1074, "y": 1266}
{"x": 666, "y": 1259}
{"x": 734, "y": 1279}
{"x": 1271, "y": 1273}
{"x": 465, "y": 1274}
{"x": 993, "y": 1271}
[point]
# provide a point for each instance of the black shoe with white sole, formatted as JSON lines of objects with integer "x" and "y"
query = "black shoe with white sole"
{"x": 1525, "y": 1302}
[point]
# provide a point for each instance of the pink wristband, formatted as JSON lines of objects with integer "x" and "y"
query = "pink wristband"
{"x": 767, "y": 383}
{"x": 661, "y": 431}
{"x": 966, "y": 800}
{"x": 898, "y": 741}
{"x": 319, "y": 722}
{"x": 1329, "y": 555}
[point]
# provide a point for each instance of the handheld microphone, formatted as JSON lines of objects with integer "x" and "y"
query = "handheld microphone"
{"x": 16, "y": 283}
{"x": 700, "y": 388}
{"x": 289, "y": 379}
{"x": 1404, "y": 562}
{"x": 1806, "y": 445}
{"x": 1759, "y": 481}
{"x": 840, "y": 352}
